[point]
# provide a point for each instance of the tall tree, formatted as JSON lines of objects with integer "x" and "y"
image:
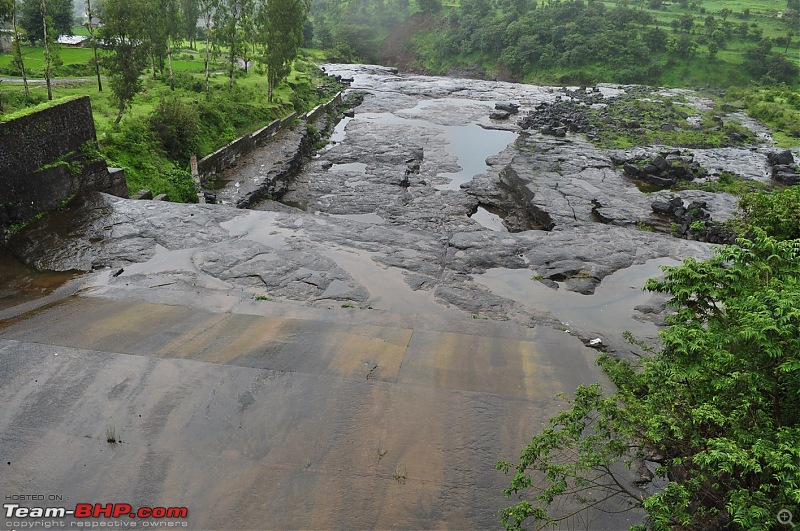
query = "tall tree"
{"x": 190, "y": 12}
{"x": 172, "y": 26}
{"x": 93, "y": 42}
{"x": 282, "y": 24}
{"x": 155, "y": 34}
{"x": 61, "y": 18}
{"x": 207, "y": 9}
{"x": 229, "y": 15}
{"x": 123, "y": 33}
{"x": 48, "y": 41}
{"x": 17, "y": 45}
{"x": 6, "y": 14}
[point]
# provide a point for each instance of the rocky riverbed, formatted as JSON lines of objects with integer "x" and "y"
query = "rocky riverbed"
{"x": 427, "y": 182}
{"x": 444, "y": 215}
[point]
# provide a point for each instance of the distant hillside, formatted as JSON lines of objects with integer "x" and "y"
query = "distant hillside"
{"x": 677, "y": 43}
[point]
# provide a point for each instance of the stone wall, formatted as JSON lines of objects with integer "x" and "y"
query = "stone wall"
{"x": 227, "y": 156}
{"x": 43, "y": 160}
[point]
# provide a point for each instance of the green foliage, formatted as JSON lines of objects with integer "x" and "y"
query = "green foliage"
{"x": 176, "y": 124}
{"x": 282, "y": 23}
{"x": 576, "y": 41}
{"x": 122, "y": 30}
{"x": 727, "y": 182}
{"x": 710, "y": 131}
{"x": 60, "y": 13}
{"x": 778, "y": 107}
{"x": 718, "y": 407}
{"x": 697, "y": 226}
{"x": 135, "y": 146}
{"x": 777, "y": 213}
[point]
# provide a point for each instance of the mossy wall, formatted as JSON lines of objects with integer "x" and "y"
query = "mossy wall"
{"x": 42, "y": 159}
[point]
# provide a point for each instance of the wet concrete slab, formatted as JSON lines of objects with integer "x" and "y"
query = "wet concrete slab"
{"x": 271, "y": 421}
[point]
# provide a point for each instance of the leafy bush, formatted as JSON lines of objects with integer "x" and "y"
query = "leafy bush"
{"x": 776, "y": 213}
{"x": 718, "y": 408}
{"x": 176, "y": 124}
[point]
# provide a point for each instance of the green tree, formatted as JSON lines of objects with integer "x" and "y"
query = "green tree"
{"x": 31, "y": 20}
{"x": 172, "y": 30}
{"x": 190, "y": 12}
{"x": 207, "y": 10}
{"x": 123, "y": 34}
{"x": 718, "y": 407}
{"x": 228, "y": 20}
{"x": 6, "y": 15}
{"x": 49, "y": 45}
{"x": 154, "y": 33}
{"x": 9, "y": 12}
{"x": 777, "y": 213}
{"x": 282, "y": 23}
{"x": 93, "y": 42}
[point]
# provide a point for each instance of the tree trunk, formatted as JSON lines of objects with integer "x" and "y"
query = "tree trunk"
{"x": 208, "y": 49}
{"x": 18, "y": 52}
{"x": 94, "y": 45}
{"x": 121, "y": 111}
{"x": 233, "y": 57}
{"x": 46, "y": 51}
{"x": 171, "y": 72}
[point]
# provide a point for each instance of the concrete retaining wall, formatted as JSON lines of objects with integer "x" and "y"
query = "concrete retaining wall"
{"x": 43, "y": 160}
{"x": 227, "y": 156}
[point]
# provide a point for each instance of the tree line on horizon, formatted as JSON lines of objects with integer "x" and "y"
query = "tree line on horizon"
{"x": 135, "y": 35}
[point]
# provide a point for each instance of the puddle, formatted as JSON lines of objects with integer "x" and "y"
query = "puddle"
{"x": 20, "y": 283}
{"x": 339, "y": 132}
{"x": 470, "y": 144}
{"x": 490, "y": 218}
{"x": 259, "y": 227}
{"x": 166, "y": 261}
{"x": 386, "y": 286}
{"x": 370, "y": 217}
{"x": 353, "y": 167}
{"x": 608, "y": 311}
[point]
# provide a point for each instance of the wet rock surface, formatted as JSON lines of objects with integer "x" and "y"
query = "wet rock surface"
{"x": 369, "y": 326}
{"x": 395, "y": 192}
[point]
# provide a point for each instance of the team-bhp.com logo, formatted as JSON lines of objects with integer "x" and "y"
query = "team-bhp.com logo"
{"x": 95, "y": 511}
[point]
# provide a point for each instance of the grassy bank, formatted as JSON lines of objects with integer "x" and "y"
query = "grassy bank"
{"x": 163, "y": 128}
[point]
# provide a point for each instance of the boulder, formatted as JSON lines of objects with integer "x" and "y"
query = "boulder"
{"x": 786, "y": 177}
{"x": 780, "y": 158}
{"x": 660, "y": 163}
{"x": 500, "y": 115}
{"x": 630, "y": 170}
{"x": 143, "y": 194}
{"x": 510, "y": 108}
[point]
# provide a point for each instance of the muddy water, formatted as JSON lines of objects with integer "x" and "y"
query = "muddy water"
{"x": 490, "y": 218}
{"x": 609, "y": 310}
{"x": 470, "y": 143}
{"x": 20, "y": 284}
